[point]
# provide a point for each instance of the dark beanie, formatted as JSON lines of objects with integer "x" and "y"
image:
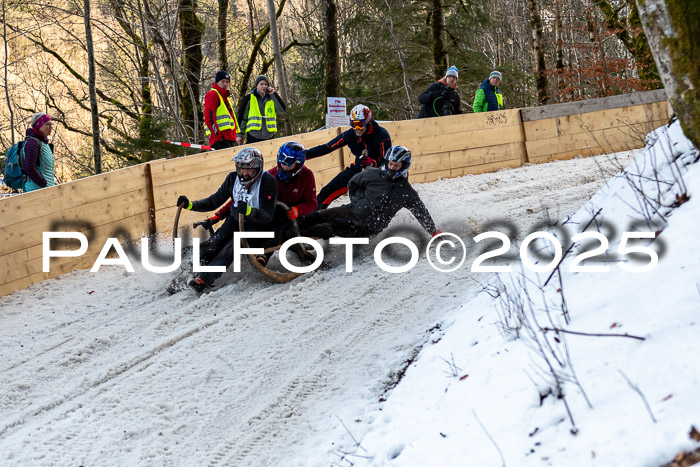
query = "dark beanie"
{"x": 262, "y": 78}
{"x": 222, "y": 75}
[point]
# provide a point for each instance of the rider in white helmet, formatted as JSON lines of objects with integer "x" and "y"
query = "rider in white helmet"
{"x": 367, "y": 141}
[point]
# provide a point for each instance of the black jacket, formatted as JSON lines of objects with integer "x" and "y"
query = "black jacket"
{"x": 260, "y": 216}
{"x": 375, "y": 200}
{"x": 375, "y": 140}
{"x": 439, "y": 100}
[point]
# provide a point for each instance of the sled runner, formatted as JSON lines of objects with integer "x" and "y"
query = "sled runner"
{"x": 183, "y": 276}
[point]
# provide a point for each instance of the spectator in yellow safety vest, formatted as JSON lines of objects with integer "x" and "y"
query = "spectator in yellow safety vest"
{"x": 219, "y": 119}
{"x": 258, "y": 111}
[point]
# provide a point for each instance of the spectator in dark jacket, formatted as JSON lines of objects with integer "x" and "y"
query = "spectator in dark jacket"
{"x": 366, "y": 140}
{"x": 254, "y": 194}
{"x": 441, "y": 98}
{"x": 38, "y": 154}
{"x": 376, "y": 196}
{"x": 488, "y": 97}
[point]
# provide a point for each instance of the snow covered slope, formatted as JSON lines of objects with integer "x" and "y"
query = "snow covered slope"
{"x": 106, "y": 369}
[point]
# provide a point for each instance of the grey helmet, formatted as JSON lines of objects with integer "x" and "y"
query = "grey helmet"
{"x": 397, "y": 154}
{"x": 249, "y": 158}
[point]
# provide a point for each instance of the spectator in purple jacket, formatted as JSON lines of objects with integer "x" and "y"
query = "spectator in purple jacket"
{"x": 38, "y": 154}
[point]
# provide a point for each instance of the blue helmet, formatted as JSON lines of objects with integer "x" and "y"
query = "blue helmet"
{"x": 397, "y": 154}
{"x": 290, "y": 154}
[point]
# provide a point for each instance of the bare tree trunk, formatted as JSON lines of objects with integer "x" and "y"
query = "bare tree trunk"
{"x": 389, "y": 24}
{"x": 632, "y": 37}
{"x": 257, "y": 43}
{"x": 673, "y": 30}
{"x": 282, "y": 82}
{"x": 538, "y": 51}
{"x": 7, "y": 90}
{"x": 561, "y": 82}
{"x": 223, "y": 10}
{"x": 572, "y": 39}
{"x": 191, "y": 31}
{"x": 594, "y": 38}
{"x": 143, "y": 56}
{"x": 97, "y": 153}
{"x": 331, "y": 82}
{"x": 437, "y": 26}
{"x": 169, "y": 54}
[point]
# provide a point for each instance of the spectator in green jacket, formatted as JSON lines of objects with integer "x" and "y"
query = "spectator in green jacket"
{"x": 488, "y": 96}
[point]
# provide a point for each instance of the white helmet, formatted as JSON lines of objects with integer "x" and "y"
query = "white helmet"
{"x": 360, "y": 115}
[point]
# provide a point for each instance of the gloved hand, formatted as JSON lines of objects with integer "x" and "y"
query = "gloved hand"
{"x": 366, "y": 161}
{"x": 293, "y": 213}
{"x": 437, "y": 232}
{"x": 209, "y": 222}
{"x": 184, "y": 201}
{"x": 243, "y": 208}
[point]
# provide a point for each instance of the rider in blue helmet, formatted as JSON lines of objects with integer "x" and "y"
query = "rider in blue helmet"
{"x": 290, "y": 159}
{"x": 400, "y": 158}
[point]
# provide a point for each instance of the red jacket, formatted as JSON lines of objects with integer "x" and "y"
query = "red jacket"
{"x": 299, "y": 192}
{"x": 211, "y": 103}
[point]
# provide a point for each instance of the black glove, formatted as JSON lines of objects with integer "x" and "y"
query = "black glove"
{"x": 242, "y": 208}
{"x": 183, "y": 201}
{"x": 208, "y": 222}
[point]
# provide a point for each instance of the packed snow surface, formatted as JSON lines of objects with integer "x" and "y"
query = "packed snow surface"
{"x": 372, "y": 368}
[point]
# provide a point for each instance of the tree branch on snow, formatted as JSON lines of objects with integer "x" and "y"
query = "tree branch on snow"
{"x": 500, "y": 453}
{"x": 568, "y": 250}
{"x": 454, "y": 369}
{"x": 558, "y": 330}
{"x": 357, "y": 443}
{"x": 641, "y": 394}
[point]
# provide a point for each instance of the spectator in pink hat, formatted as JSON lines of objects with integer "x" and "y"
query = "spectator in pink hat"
{"x": 38, "y": 154}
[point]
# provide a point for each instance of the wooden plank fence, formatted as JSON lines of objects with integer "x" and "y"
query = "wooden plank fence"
{"x": 140, "y": 200}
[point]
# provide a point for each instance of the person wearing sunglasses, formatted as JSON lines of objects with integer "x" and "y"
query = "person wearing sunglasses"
{"x": 367, "y": 141}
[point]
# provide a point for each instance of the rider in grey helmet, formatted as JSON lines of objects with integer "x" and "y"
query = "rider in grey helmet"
{"x": 254, "y": 194}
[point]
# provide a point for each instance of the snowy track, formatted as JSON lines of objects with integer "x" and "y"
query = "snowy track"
{"x": 106, "y": 369}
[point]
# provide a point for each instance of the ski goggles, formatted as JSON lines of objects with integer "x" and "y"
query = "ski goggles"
{"x": 358, "y": 124}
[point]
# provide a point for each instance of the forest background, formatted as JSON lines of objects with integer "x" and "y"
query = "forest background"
{"x": 118, "y": 74}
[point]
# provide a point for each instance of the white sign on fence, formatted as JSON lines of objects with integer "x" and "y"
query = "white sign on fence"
{"x": 336, "y": 112}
